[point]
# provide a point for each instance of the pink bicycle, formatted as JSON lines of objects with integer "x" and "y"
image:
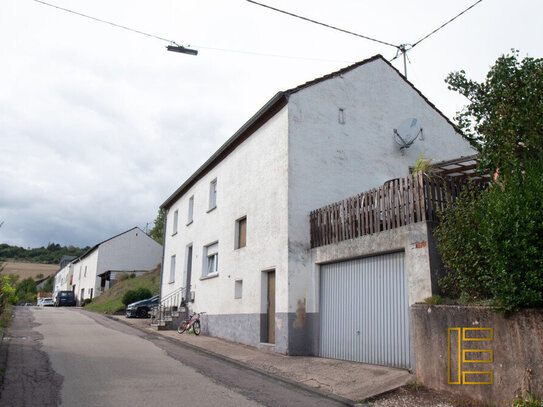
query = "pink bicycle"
{"x": 193, "y": 322}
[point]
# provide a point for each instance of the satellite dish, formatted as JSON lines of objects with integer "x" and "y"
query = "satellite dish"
{"x": 407, "y": 132}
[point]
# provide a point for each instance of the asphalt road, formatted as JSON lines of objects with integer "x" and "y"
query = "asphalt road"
{"x": 62, "y": 356}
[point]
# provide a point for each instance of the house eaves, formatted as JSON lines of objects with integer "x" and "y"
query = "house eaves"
{"x": 93, "y": 248}
{"x": 273, "y": 106}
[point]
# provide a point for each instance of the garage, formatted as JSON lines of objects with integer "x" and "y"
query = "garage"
{"x": 364, "y": 311}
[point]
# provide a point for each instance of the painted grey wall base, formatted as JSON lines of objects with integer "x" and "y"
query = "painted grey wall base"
{"x": 303, "y": 334}
{"x": 292, "y": 337}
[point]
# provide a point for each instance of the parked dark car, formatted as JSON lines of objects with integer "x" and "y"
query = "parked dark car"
{"x": 141, "y": 308}
{"x": 65, "y": 298}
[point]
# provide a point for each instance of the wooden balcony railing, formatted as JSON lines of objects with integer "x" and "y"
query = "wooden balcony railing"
{"x": 397, "y": 203}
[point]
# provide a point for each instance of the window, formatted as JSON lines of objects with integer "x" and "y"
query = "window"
{"x": 175, "y": 220}
{"x": 213, "y": 194}
{"x": 85, "y": 272}
{"x": 172, "y": 269}
{"x": 238, "y": 288}
{"x": 191, "y": 209}
{"x": 211, "y": 259}
{"x": 241, "y": 233}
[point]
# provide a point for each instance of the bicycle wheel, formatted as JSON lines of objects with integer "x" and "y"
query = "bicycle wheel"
{"x": 182, "y": 327}
{"x": 196, "y": 327}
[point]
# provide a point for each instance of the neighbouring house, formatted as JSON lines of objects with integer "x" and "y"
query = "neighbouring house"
{"x": 238, "y": 241}
{"x": 132, "y": 251}
{"x": 64, "y": 277}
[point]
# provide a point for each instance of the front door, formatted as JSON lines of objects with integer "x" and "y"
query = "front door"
{"x": 271, "y": 307}
{"x": 189, "y": 273}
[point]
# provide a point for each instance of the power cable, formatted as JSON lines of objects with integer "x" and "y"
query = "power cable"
{"x": 324, "y": 24}
{"x": 107, "y": 22}
{"x": 177, "y": 47}
{"x": 443, "y": 25}
{"x": 401, "y": 49}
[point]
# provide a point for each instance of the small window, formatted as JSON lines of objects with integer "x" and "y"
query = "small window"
{"x": 211, "y": 259}
{"x": 191, "y": 209}
{"x": 213, "y": 194}
{"x": 238, "y": 288}
{"x": 172, "y": 269}
{"x": 241, "y": 233}
{"x": 341, "y": 116}
{"x": 85, "y": 272}
{"x": 175, "y": 221}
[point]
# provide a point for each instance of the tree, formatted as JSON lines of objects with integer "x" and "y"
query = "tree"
{"x": 49, "y": 285}
{"x": 491, "y": 241}
{"x": 504, "y": 120}
{"x": 157, "y": 232}
{"x": 26, "y": 290}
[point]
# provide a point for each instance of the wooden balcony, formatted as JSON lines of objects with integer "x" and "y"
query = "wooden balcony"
{"x": 398, "y": 202}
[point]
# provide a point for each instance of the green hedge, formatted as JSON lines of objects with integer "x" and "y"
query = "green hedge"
{"x": 138, "y": 294}
{"x": 492, "y": 242}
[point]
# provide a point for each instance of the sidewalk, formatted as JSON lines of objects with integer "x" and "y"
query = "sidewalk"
{"x": 346, "y": 380}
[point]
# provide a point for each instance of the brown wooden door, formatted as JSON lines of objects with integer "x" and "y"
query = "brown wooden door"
{"x": 271, "y": 307}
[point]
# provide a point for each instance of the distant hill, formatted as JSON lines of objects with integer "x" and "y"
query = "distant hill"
{"x": 46, "y": 255}
{"x": 25, "y": 270}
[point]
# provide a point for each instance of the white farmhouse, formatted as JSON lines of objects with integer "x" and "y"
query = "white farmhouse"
{"x": 130, "y": 251}
{"x": 63, "y": 277}
{"x": 237, "y": 235}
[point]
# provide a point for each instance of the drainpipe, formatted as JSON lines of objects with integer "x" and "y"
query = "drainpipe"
{"x": 163, "y": 252}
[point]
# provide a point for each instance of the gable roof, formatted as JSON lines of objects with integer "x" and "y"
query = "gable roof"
{"x": 273, "y": 106}
{"x": 93, "y": 248}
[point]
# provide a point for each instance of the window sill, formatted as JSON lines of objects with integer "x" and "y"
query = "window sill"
{"x": 171, "y": 282}
{"x": 212, "y": 275}
{"x": 240, "y": 248}
{"x": 174, "y": 233}
{"x": 211, "y": 209}
{"x": 189, "y": 223}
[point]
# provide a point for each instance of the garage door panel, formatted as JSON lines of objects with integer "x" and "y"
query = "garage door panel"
{"x": 364, "y": 311}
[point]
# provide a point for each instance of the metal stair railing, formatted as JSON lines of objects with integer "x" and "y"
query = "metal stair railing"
{"x": 167, "y": 306}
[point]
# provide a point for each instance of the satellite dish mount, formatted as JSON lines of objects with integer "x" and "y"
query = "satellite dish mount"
{"x": 407, "y": 132}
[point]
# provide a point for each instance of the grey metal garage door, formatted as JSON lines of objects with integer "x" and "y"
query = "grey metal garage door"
{"x": 364, "y": 311}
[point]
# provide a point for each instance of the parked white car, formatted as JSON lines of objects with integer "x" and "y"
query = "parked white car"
{"x": 47, "y": 302}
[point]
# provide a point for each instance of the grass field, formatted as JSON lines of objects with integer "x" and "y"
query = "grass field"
{"x": 25, "y": 270}
{"x": 110, "y": 301}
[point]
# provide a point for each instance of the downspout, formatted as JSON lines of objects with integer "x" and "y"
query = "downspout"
{"x": 163, "y": 252}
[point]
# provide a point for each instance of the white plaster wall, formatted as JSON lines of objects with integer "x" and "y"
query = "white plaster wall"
{"x": 251, "y": 182}
{"x": 86, "y": 280}
{"x": 132, "y": 250}
{"x": 329, "y": 161}
{"x": 62, "y": 279}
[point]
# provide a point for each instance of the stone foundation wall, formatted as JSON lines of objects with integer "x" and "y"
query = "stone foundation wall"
{"x": 511, "y": 346}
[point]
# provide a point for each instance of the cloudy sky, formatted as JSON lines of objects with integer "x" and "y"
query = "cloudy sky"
{"x": 99, "y": 125}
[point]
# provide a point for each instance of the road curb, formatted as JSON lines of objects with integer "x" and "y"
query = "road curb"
{"x": 237, "y": 363}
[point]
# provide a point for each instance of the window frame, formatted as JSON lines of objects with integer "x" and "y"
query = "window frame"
{"x": 172, "y": 269}
{"x": 190, "y": 214}
{"x": 240, "y": 223}
{"x": 212, "y": 195}
{"x": 238, "y": 289}
{"x": 175, "y": 222}
{"x": 207, "y": 263}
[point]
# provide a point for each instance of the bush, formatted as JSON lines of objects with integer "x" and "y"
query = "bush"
{"x": 132, "y": 275}
{"x": 492, "y": 243}
{"x": 139, "y": 294}
{"x": 86, "y": 301}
